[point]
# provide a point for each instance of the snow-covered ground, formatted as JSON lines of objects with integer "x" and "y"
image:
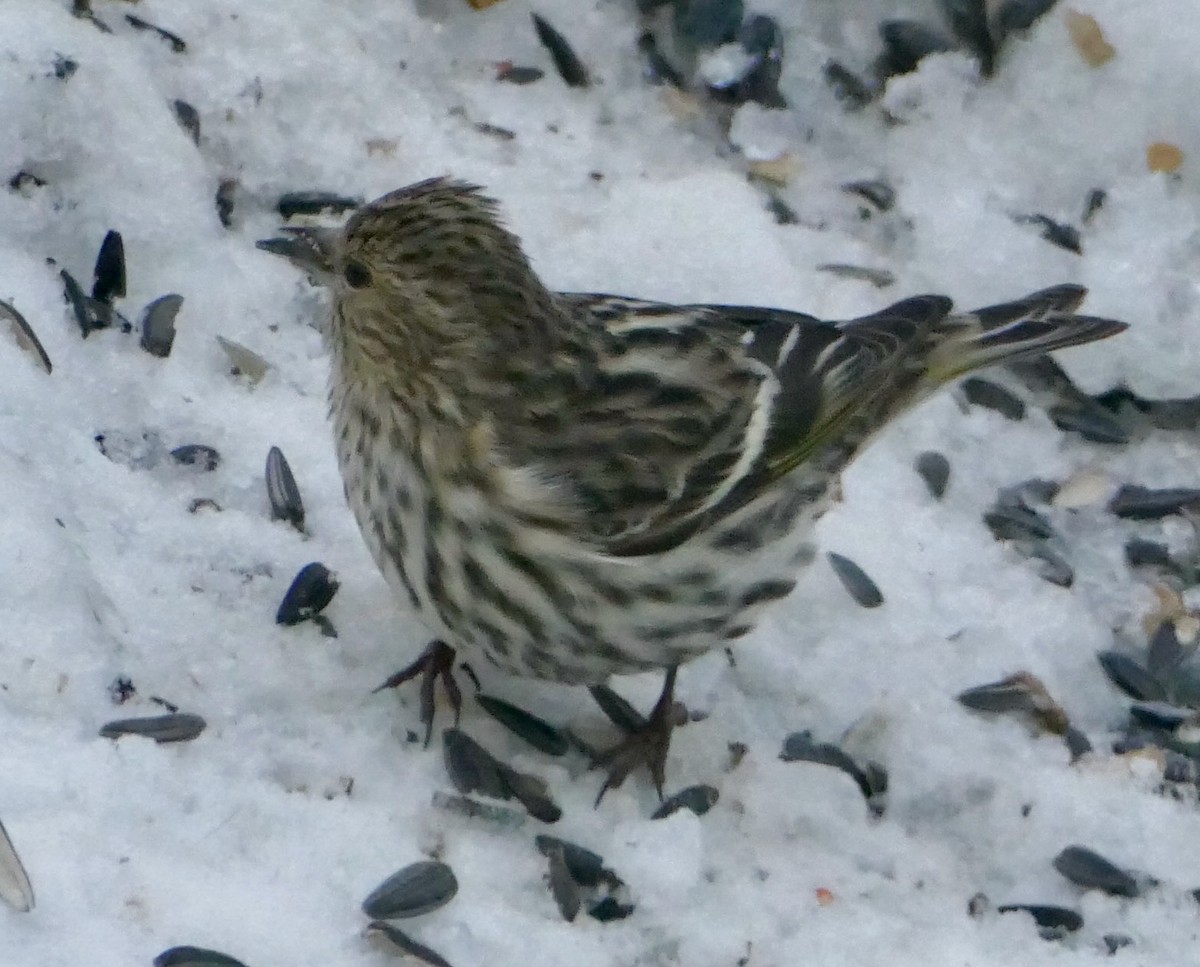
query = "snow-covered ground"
{"x": 261, "y": 837}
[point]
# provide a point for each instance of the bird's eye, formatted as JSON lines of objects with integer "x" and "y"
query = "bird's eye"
{"x": 357, "y": 275}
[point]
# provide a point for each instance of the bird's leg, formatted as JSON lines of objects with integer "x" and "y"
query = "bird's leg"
{"x": 436, "y": 661}
{"x": 647, "y": 744}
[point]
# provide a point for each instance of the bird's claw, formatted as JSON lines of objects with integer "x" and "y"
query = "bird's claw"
{"x": 436, "y": 661}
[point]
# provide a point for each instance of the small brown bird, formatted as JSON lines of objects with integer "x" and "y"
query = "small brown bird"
{"x": 575, "y": 486}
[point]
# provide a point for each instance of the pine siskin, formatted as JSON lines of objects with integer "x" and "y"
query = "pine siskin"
{"x": 575, "y": 485}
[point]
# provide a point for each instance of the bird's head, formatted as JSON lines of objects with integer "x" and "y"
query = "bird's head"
{"x": 425, "y": 272}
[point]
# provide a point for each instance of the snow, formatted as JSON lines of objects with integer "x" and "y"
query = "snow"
{"x": 261, "y": 837}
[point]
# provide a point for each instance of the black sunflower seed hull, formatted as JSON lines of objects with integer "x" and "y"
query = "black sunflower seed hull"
{"x": 412, "y": 891}
{"x": 570, "y": 68}
{"x": 858, "y": 585}
{"x": 109, "y": 275}
{"x": 195, "y": 957}
{"x": 158, "y": 325}
{"x": 538, "y": 733}
{"x": 396, "y": 940}
{"x": 175, "y": 727}
{"x": 698, "y": 799}
{"x": 308, "y": 595}
{"x": 282, "y": 491}
{"x": 1092, "y": 871}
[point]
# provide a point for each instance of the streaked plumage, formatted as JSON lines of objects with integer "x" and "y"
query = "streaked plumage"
{"x": 579, "y": 485}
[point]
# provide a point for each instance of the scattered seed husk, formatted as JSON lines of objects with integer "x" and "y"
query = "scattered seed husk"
{"x": 530, "y": 792}
{"x": 570, "y": 68}
{"x": 880, "y": 278}
{"x": 993, "y": 396}
{"x": 699, "y": 799}
{"x": 64, "y": 69}
{"x": 15, "y": 888}
{"x": 1056, "y": 233}
{"x": 514, "y": 74}
{"x": 177, "y": 43}
{"x": 243, "y": 361}
{"x": 934, "y": 469}
{"x": 563, "y": 886}
{"x": 195, "y": 957}
{"x": 761, "y": 39}
{"x": 610, "y": 909}
{"x": 774, "y": 172}
{"x": 1145, "y": 503}
{"x": 879, "y": 193}
{"x": 1163, "y": 156}
{"x": 1078, "y": 744}
{"x": 308, "y": 595}
{"x": 905, "y": 44}
{"x": 473, "y": 769}
{"x": 25, "y": 181}
{"x": 979, "y": 905}
{"x": 1093, "y": 203}
{"x": 537, "y": 732}
{"x": 1089, "y": 487}
{"x": 1115, "y": 941}
{"x": 158, "y": 325}
{"x": 188, "y": 118}
{"x": 623, "y": 715}
{"x": 586, "y": 868}
{"x": 1055, "y": 918}
{"x": 282, "y": 491}
{"x": 79, "y": 304}
{"x": 969, "y": 21}
{"x": 226, "y": 199}
{"x": 1090, "y": 423}
{"x": 295, "y": 203}
{"x": 395, "y": 940}
{"x": 781, "y": 211}
{"x": 1028, "y": 492}
{"x": 1022, "y": 692}
{"x": 495, "y": 131}
{"x": 1088, "y": 38}
{"x": 800, "y": 747}
{"x": 83, "y": 10}
{"x": 847, "y": 86}
{"x": 121, "y": 689}
{"x": 1052, "y": 566}
{"x": 415, "y": 890}
{"x": 861, "y": 588}
{"x": 174, "y": 727}
{"x": 1165, "y": 652}
{"x": 197, "y": 455}
{"x": 1012, "y": 522}
{"x": 1130, "y": 677}
{"x": 24, "y": 335}
{"x": 473, "y": 809}
{"x": 1090, "y": 870}
{"x": 1162, "y": 715}
{"x": 108, "y": 279}
{"x": 658, "y": 70}
{"x": 1143, "y": 553}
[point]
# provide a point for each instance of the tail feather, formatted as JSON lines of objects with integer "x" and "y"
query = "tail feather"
{"x": 1039, "y": 323}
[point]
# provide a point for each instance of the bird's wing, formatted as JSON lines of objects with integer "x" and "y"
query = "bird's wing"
{"x": 692, "y": 412}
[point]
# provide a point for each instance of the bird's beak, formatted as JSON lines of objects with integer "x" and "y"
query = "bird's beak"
{"x": 310, "y": 249}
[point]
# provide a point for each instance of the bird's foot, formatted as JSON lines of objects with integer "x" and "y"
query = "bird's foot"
{"x": 646, "y": 744}
{"x": 436, "y": 661}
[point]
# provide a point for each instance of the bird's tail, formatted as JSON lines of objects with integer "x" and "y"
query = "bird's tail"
{"x": 1037, "y": 324}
